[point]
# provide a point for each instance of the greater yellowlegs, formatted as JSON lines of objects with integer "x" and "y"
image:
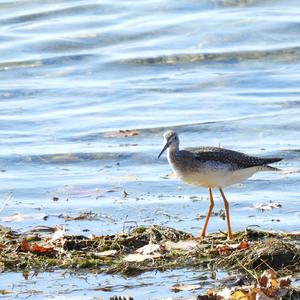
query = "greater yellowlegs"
{"x": 213, "y": 167}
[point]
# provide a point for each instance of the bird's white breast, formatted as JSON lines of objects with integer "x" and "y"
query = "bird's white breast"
{"x": 213, "y": 175}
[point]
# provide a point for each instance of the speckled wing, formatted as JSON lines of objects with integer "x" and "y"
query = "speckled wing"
{"x": 236, "y": 159}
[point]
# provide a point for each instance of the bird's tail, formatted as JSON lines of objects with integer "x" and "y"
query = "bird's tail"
{"x": 266, "y": 167}
{"x": 283, "y": 171}
{"x": 269, "y": 168}
{"x": 267, "y": 161}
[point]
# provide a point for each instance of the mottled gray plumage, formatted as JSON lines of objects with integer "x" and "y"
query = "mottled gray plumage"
{"x": 238, "y": 160}
{"x": 213, "y": 167}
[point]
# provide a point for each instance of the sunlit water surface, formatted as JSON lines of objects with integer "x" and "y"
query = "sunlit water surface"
{"x": 220, "y": 72}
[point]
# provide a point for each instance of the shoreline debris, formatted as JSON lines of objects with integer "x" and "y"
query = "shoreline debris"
{"x": 150, "y": 248}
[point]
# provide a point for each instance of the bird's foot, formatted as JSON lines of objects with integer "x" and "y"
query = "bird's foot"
{"x": 230, "y": 236}
{"x": 199, "y": 238}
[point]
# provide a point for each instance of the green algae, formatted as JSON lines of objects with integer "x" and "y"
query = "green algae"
{"x": 107, "y": 254}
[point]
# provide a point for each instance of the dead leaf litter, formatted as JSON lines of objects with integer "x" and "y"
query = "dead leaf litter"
{"x": 142, "y": 249}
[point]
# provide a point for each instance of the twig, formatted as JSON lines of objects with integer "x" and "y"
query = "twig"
{"x": 5, "y": 201}
{"x": 128, "y": 222}
{"x": 268, "y": 265}
{"x": 247, "y": 270}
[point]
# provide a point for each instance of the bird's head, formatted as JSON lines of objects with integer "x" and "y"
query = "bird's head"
{"x": 171, "y": 141}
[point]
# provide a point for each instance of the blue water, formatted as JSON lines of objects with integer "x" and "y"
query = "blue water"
{"x": 220, "y": 72}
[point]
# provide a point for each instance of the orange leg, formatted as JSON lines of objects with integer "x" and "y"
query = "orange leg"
{"x": 226, "y": 205}
{"x": 211, "y": 206}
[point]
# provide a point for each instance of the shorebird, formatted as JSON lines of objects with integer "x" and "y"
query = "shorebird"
{"x": 213, "y": 167}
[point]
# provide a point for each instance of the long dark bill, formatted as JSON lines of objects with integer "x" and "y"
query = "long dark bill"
{"x": 164, "y": 149}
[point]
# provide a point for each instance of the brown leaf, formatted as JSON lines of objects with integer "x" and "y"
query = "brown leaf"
{"x": 25, "y": 274}
{"x": 268, "y": 279}
{"x": 284, "y": 282}
{"x": 223, "y": 249}
{"x": 121, "y": 133}
{"x": 243, "y": 245}
{"x": 263, "y": 281}
{"x": 270, "y": 292}
{"x": 24, "y": 246}
{"x": 41, "y": 250}
{"x": 271, "y": 274}
{"x": 252, "y": 293}
{"x": 226, "y": 248}
{"x": 6, "y": 292}
{"x": 210, "y": 293}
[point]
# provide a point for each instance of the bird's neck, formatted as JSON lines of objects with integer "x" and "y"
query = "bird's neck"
{"x": 172, "y": 153}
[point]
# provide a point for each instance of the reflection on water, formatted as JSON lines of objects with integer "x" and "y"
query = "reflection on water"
{"x": 222, "y": 72}
{"x": 58, "y": 285}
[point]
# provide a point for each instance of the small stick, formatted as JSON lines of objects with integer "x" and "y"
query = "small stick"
{"x": 268, "y": 265}
{"x": 5, "y": 201}
{"x": 247, "y": 270}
